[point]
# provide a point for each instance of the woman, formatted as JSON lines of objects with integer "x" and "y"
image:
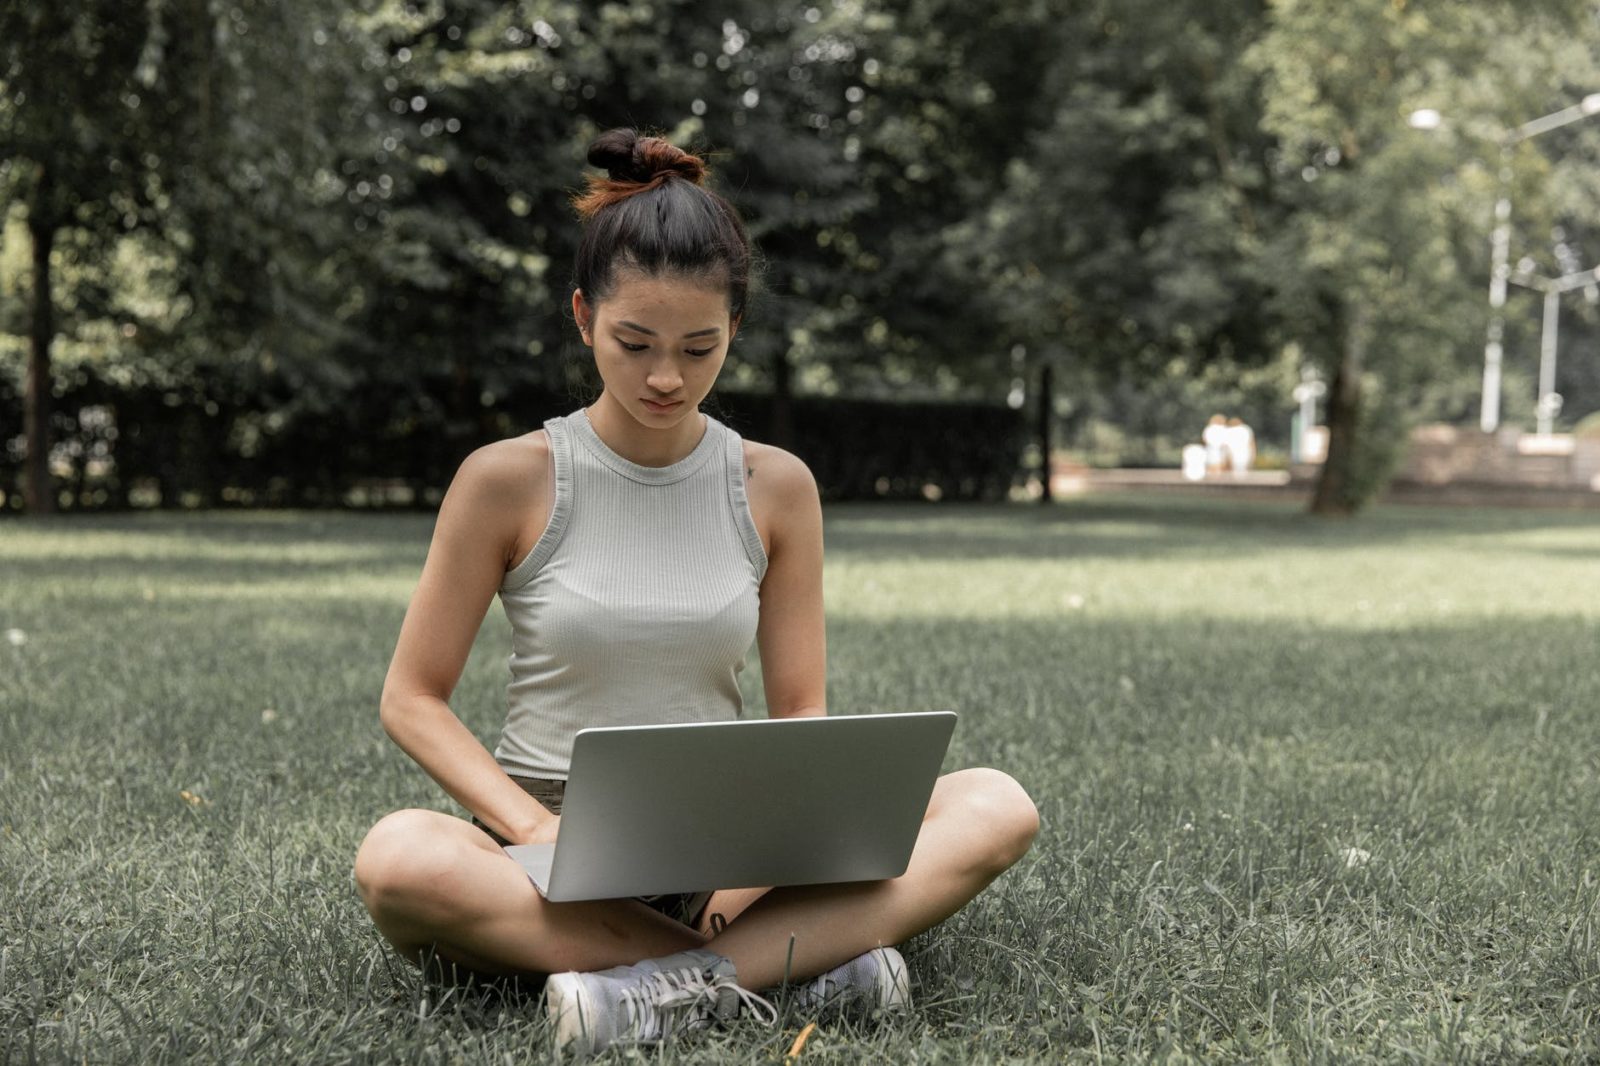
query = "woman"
{"x": 637, "y": 547}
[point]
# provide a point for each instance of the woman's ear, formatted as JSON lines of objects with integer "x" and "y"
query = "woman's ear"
{"x": 733, "y": 328}
{"x": 583, "y": 314}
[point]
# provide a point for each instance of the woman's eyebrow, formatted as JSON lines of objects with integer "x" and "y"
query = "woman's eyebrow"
{"x": 650, "y": 332}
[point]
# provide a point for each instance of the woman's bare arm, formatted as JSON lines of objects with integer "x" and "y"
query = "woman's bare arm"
{"x": 792, "y": 635}
{"x": 479, "y": 528}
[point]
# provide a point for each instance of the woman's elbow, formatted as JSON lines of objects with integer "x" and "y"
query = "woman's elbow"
{"x": 394, "y": 713}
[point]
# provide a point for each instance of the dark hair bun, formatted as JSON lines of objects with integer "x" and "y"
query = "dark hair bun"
{"x": 653, "y": 214}
{"x": 626, "y": 156}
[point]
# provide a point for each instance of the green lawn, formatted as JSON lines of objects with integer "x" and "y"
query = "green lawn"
{"x": 1310, "y": 791}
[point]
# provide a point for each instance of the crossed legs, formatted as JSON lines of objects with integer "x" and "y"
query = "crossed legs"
{"x": 435, "y": 882}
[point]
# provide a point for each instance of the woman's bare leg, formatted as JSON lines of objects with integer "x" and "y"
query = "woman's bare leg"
{"x": 979, "y": 823}
{"x": 436, "y": 883}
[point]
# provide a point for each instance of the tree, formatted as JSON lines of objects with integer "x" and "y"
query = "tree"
{"x": 490, "y": 107}
{"x": 161, "y": 152}
{"x": 1121, "y": 249}
{"x": 1382, "y": 246}
{"x": 73, "y": 144}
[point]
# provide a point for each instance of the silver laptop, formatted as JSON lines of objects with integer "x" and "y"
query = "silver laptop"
{"x": 789, "y": 801}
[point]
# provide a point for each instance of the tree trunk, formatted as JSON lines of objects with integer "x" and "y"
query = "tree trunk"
{"x": 1335, "y": 494}
{"x": 782, "y": 427}
{"x": 1046, "y": 409}
{"x": 38, "y": 495}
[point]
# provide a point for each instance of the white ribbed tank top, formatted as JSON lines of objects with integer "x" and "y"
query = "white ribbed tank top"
{"x": 639, "y": 601}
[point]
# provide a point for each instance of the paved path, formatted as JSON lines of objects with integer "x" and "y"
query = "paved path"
{"x": 1277, "y": 485}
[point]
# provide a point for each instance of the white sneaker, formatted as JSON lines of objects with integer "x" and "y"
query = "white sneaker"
{"x": 646, "y": 1003}
{"x": 867, "y": 984}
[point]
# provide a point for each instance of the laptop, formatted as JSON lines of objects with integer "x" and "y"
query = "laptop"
{"x": 762, "y": 802}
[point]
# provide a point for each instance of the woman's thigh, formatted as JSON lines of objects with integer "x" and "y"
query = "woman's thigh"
{"x": 414, "y": 862}
{"x": 438, "y": 887}
{"x": 725, "y": 905}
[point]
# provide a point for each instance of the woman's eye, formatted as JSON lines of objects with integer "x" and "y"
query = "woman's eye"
{"x": 700, "y": 351}
{"x": 632, "y": 347}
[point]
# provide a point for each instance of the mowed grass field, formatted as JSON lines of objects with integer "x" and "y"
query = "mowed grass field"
{"x": 1324, "y": 792}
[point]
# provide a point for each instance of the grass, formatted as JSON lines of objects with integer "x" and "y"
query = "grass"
{"x": 1310, "y": 792}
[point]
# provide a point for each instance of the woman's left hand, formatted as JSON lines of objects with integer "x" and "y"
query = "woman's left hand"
{"x": 546, "y": 831}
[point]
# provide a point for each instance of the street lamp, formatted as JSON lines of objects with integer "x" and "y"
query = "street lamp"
{"x": 1549, "y": 404}
{"x": 1499, "y": 255}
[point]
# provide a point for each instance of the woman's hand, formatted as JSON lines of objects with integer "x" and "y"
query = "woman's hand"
{"x": 545, "y": 832}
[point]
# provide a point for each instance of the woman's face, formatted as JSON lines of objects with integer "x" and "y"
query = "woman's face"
{"x": 658, "y": 344}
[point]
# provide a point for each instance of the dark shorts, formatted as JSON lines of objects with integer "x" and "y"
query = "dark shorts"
{"x": 685, "y": 907}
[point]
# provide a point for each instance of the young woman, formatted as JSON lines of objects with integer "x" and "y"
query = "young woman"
{"x": 638, "y": 547}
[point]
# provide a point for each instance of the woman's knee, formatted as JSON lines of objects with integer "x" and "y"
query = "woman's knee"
{"x": 407, "y": 863}
{"x": 1005, "y": 814}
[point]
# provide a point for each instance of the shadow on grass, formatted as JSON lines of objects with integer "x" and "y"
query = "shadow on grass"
{"x": 1200, "y": 788}
{"x": 1204, "y": 784}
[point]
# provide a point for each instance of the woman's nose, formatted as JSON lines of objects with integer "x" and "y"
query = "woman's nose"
{"x": 664, "y": 377}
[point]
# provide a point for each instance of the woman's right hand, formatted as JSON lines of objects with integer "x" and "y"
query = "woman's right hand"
{"x": 495, "y": 502}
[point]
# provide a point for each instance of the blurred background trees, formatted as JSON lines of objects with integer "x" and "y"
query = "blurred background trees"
{"x": 257, "y": 249}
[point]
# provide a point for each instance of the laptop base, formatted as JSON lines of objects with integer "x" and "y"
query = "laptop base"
{"x": 535, "y": 859}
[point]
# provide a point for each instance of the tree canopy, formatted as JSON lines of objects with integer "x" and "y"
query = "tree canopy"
{"x": 297, "y": 204}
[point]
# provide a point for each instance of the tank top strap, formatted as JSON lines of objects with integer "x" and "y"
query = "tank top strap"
{"x": 561, "y": 458}
{"x": 740, "y": 503}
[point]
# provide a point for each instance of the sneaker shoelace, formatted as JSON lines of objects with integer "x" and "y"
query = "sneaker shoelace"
{"x": 654, "y": 1005}
{"x": 754, "y": 1003}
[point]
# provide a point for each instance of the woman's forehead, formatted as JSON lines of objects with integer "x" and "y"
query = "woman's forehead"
{"x": 669, "y": 300}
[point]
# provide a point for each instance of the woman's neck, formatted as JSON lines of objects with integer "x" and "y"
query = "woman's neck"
{"x": 645, "y": 445}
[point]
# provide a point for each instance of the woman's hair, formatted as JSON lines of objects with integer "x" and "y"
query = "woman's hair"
{"x": 652, "y": 214}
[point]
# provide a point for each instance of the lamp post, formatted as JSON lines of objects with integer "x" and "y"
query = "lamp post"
{"x": 1499, "y": 256}
{"x": 1499, "y": 247}
{"x": 1549, "y": 404}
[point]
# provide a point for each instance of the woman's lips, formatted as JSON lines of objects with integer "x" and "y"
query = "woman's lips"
{"x": 656, "y": 405}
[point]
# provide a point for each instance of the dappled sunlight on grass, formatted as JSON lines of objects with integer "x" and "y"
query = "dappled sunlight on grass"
{"x": 1308, "y": 791}
{"x": 1282, "y": 566}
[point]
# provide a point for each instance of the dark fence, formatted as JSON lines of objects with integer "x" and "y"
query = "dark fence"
{"x": 205, "y": 446}
{"x": 881, "y": 449}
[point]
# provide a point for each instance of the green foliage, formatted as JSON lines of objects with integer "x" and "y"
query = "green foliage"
{"x": 1125, "y": 231}
{"x": 1161, "y": 198}
{"x": 1383, "y": 245}
{"x": 1145, "y": 420}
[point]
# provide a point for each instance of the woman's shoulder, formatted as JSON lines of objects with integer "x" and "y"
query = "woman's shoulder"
{"x": 769, "y": 467}
{"x": 512, "y": 465}
{"x": 505, "y": 478}
{"x": 783, "y": 498}
{"x": 504, "y": 490}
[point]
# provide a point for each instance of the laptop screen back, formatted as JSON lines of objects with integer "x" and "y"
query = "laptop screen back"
{"x": 684, "y": 808}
